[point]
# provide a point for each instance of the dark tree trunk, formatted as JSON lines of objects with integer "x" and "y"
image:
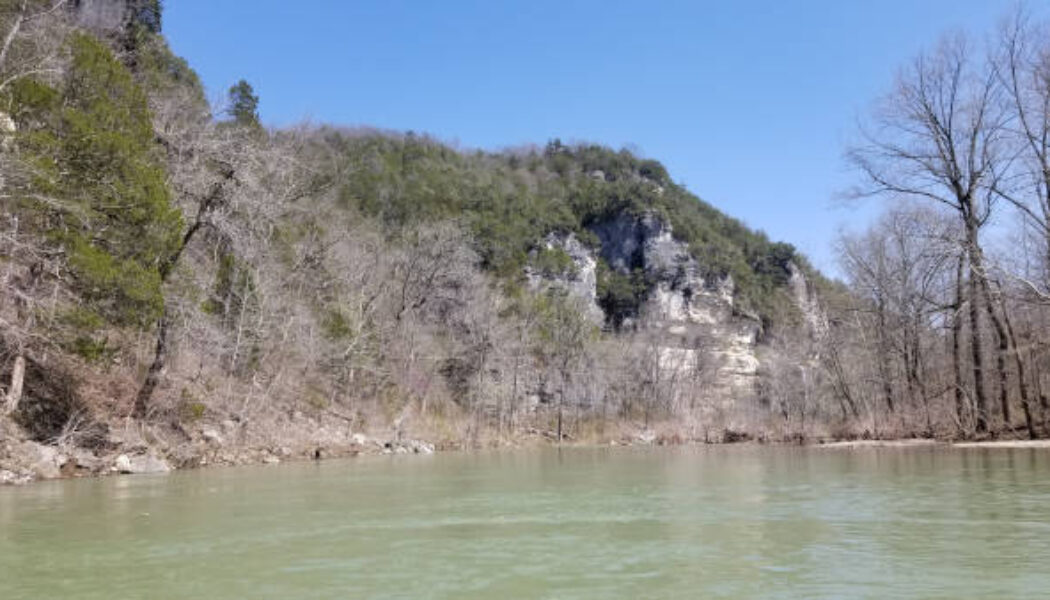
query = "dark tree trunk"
{"x": 845, "y": 394}
{"x": 1000, "y": 358}
{"x": 160, "y": 356}
{"x": 916, "y": 382}
{"x": 957, "y": 363}
{"x": 1022, "y": 379}
{"x": 884, "y": 354}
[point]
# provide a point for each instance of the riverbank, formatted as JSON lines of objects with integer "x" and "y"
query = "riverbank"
{"x": 132, "y": 447}
{"x": 920, "y": 442}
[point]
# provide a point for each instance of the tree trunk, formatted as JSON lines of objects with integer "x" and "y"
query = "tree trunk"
{"x": 1000, "y": 358}
{"x": 916, "y": 372}
{"x": 160, "y": 356}
{"x": 211, "y": 201}
{"x": 884, "y": 354}
{"x": 561, "y": 403}
{"x": 973, "y": 250}
{"x": 12, "y": 33}
{"x": 957, "y": 366}
{"x": 845, "y": 394}
{"x": 14, "y": 392}
{"x": 1022, "y": 379}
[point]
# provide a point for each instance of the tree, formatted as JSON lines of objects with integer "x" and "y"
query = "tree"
{"x": 564, "y": 334}
{"x": 897, "y": 270}
{"x": 1023, "y": 67}
{"x": 99, "y": 186}
{"x": 33, "y": 43}
{"x": 94, "y": 199}
{"x": 940, "y": 136}
{"x": 146, "y": 14}
{"x": 244, "y": 105}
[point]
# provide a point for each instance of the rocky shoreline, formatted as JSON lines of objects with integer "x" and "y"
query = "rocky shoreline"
{"x": 144, "y": 449}
{"x": 23, "y": 460}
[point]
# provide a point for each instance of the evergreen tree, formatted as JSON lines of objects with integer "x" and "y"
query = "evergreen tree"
{"x": 99, "y": 191}
{"x": 244, "y": 105}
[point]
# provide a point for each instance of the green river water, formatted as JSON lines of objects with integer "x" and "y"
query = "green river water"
{"x": 708, "y": 522}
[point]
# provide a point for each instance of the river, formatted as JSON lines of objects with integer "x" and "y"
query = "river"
{"x": 690, "y": 522}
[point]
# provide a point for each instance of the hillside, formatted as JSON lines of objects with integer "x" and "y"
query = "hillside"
{"x": 239, "y": 293}
{"x": 512, "y": 200}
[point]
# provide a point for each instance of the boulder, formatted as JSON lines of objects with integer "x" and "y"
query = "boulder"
{"x": 83, "y": 459}
{"x": 420, "y": 447}
{"x": 42, "y": 462}
{"x": 12, "y": 478}
{"x": 140, "y": 464}
{"x": 210, "y": 435}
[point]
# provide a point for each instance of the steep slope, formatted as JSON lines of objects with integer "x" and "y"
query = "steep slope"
{"x": 606, "y": 227}
{"x": 512, "y": 200}
{"x": 184, "y": 288}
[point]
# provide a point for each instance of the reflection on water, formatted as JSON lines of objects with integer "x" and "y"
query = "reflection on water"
{"x": 720, "y": 522}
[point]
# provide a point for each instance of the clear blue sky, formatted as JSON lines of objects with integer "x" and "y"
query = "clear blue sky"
{"x": 748, "y": 103}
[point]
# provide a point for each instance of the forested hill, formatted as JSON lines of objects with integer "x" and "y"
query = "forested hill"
{"x": 511, "y": 200}
{"x": 224, "y": 284}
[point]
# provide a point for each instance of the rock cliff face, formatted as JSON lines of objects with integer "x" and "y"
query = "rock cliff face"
{"x": 807, "y": 302}
{"x": 698, "y": 332}
{"x": 101, "y": 15}
{"x": 581, "y": 282}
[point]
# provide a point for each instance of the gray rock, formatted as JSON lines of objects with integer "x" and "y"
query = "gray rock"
{"x": 12, "y": 478}
{"x": 122, "y": 464}
{"x": 211, "y": 436}
{"x": 140, "y": 464}
{"x": 87, "y": 460}
{"x": 271, "y": 460}
{"x": 421, "y": 447}
{"x": 581, "y": 284}
{"x": 42, "y": 462}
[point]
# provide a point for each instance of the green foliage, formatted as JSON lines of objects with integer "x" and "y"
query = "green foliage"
{"x": 190, "y": 408}
{"x": 553, "y": 262}
{"x": 91, "y": 349}
{"x": 145, "y": 14}
{"x": 512, "y": 200}
{"x": 81, "y": 319}
{"x": 620, "y": 295}
{"x": 141, "y": 28}
{"x": 336, "y": 325}
{"x": 563, "y": 331}
{"x": 164, "y": 74}
{"x": 109, "y": 210}
{"x": 233, "y": 285}
{"x": 244, "y": 105}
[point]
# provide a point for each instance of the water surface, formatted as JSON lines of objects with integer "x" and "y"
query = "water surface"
{"x": 722, "y": 522}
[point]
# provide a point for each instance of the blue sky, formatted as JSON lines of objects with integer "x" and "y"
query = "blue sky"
{"x": 749, "y": 104}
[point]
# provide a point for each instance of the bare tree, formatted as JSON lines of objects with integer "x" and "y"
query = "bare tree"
{"x": 565, "y": 333}
{"x": 941, "y": 136}
{"x": 32, "y": 45}
{"x": 1023, "y": 68}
